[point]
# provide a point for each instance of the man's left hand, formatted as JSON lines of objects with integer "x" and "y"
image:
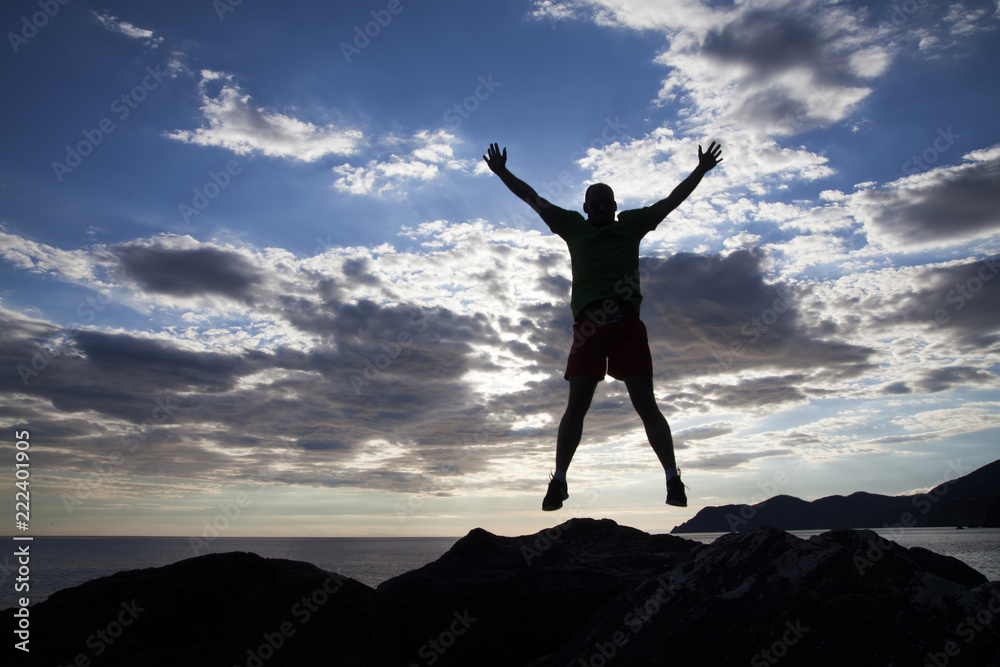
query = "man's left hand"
{"x": 709, "y": 158}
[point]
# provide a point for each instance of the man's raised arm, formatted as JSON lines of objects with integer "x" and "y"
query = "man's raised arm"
{"x": 497, "y": 162}
{"x": 706, "y": 162}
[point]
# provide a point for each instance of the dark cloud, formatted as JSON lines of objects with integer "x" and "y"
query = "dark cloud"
{"x": 556, "y": 285}
{"x": 964, "y": 301}
{"x": 730, "y": 460}
{"x": 768, "y": 44}
{"x": 771, "y": 42}
{"x": 950, "y": 377}
{"x": 896, "y": 388}
{"x": 957, "y": 304}
{"x": 358, "y": 272}
{"x": 758, "y": 393}
{"x": 322, "y": 445}
{"x": 712, "y": 314}
{"x": 382, "y": 387}
{"x": 190, "y": 272}
{"x": 174, "y": 410}
{"x": 157, "y": 361}
{"x": 947, "y": 205}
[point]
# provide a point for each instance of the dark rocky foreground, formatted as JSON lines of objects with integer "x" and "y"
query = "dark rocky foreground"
{"x": 586, "y": 592}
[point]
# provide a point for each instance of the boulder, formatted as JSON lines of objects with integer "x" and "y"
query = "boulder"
{"x": 585, "y": 593}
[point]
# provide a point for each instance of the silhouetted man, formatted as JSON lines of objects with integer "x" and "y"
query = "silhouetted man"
{"x": 608, "y": 335}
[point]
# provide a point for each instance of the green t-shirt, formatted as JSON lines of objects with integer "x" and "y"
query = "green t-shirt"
{"x": 605, "y": 260}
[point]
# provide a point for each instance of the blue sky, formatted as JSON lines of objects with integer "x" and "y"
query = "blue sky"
{"x": 256, "y": 277}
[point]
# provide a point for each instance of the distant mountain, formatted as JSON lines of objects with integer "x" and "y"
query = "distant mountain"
{"x": 973, "y": 500}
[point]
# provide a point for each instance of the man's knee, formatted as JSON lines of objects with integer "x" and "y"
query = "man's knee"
{"x": 647, "y": 408}
{"x": 577, "y": 407}
{"x": 643, "y": 399}
{"x": 581, "y": 393}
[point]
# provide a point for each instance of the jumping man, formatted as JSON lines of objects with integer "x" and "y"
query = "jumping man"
{"x": 608, "y": 335}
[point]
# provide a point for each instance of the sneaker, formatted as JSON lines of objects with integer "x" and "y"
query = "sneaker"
{"x": 675, "y": 492}
{"x": 556, "y": 494}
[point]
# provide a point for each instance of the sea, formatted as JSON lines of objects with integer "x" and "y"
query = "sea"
{"x": 63, "y": 562}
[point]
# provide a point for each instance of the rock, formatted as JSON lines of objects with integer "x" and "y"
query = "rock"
{"x": 584, "y": 593}
{"x": 842, "y": 598}
{"x": 221, "y": 610}
{"x": 529, "y": 594}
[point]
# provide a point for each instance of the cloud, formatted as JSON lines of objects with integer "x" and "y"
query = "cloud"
{"x": 751, "y": 76}
{"x": 232, "y": 122}
{"x": 784, "y": 67}
{"x": 940, "y": 206}
{"x": 114, "y": 24}
{"x": 432, "y": 370}
{"x": 704, "y": 432}
{"x": 938, "y": 30}
{"x": 775, "y": 67}
{"x": 552, "y": 11}
{"x": 961, "y": 300}
{"x": 162, "y": 269}
{"x": 713, "y": 315}
{"x": 431, "y": 152}
{"x": 731, "y": 460}
{"x": 43, "y": 258}
{"x": 645, "y": 169}
{"x": 950, "y": 377}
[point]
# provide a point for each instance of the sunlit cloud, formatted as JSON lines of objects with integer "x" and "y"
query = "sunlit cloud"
{"x": 232, "y": 122}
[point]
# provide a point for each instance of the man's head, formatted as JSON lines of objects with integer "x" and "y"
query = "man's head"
{"x": 599, "y": 204}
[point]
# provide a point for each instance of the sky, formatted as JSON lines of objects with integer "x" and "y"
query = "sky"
{"x": 256, "y": 279}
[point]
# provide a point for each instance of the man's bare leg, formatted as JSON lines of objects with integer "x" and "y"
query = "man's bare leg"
{"x": 581, "y": 393}
{"x": 640, "y": 391}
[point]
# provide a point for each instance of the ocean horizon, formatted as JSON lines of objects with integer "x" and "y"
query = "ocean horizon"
{"x": 64, "y": 562}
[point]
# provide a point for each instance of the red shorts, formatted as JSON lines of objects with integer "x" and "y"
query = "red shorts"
{"x": 620, "y": 347}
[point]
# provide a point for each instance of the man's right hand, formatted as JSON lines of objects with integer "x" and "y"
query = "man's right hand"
{"x": 496, "y": 160}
